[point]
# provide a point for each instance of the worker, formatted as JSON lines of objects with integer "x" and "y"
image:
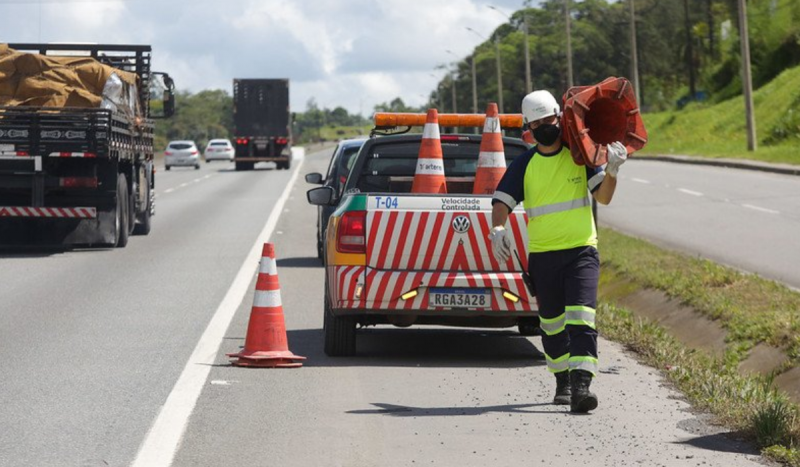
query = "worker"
{"x": 562, "y": 243}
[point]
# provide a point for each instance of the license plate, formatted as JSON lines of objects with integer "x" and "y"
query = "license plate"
{"x": 7, "y": 148}
{"x": 461, "y": 298}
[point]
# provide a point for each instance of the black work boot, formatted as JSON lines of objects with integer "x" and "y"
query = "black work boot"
{"x": 563, "y": 391}
{"x": 582, "y": 400}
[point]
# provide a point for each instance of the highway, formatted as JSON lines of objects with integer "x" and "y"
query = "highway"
{"x": 746, "y": 219}
{"x": 117, "y": 357}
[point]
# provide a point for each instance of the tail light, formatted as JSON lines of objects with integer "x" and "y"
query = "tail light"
{"x": 281, "y": 140}
{"x": 352, "y": 234}
{"x": 194, "y": 153}
{"x": 78, "y": 182}
{"x": 242, "y": 140}
{"x": 167, "y": 153}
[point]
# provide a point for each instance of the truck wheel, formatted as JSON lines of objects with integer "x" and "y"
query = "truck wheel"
{"x": 142, "y": 225}
{"x": 244, "y": 166}
{"x": 121, "y": 213}
{"x": 166, "y": 167}
{"x": 340, "y": 333}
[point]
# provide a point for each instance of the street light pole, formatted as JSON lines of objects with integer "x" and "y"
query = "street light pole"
{"x": 474, "y": 87}
{"x": 499, "y": 75}
{"x": 569, "y": 44}
{"x": 634, "y": 54}
{"x": 528, "y": 86}
{"x": 453, "y": 79}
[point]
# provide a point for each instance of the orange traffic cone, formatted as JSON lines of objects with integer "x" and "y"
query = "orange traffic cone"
{"x": 429, "y": 177}
{"x": 266, "y": 345}
{"x": 492, "y": 158}
{"x": 527, "y": 136}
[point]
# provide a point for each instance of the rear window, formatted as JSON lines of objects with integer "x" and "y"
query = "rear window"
{"x": 390, "y": 168}
{"x": 180, "y": 146}
{"x": 219, "y": 143}
{"x": 346, "y": 159}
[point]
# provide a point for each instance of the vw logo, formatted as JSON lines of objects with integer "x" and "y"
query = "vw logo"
{"x": 461, "y": 224}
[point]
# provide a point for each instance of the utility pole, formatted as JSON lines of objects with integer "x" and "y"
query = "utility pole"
{"x": 474, "y": 86}
{"x": 570, "y": 81}
{"x": 499, "y": 75}
{"x": 689, "y": 50}
{"x": 747, "y": 80}
{"x": 634, "y": 54}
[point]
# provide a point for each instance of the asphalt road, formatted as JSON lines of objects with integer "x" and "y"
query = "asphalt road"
{"x": 117, "y": 357}
{"x": 743, "y": 218}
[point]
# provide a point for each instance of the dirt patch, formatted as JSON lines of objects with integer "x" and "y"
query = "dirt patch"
{"x": 763, "y": 359}
{"x": 691, "y": 328}
{"x": 697, "y": 331}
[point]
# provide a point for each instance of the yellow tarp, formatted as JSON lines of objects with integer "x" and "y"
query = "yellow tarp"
{"x": 28, "y": 79}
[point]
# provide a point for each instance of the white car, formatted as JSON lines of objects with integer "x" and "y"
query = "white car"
{"x": 219, "y": 150}
{"x": 181, "y": 154}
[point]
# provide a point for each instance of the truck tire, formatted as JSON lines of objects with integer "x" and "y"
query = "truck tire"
{"x": 121, "y": 213}
{"x": 244, "y": 165}
{"x": 340, "y": 333}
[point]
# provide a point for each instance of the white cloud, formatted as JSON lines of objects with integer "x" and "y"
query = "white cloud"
{"x": 353, "y": 54}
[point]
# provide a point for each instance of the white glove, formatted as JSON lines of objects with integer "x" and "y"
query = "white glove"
{"x": 617, "y": 155}
{"x": 501, "y": 243}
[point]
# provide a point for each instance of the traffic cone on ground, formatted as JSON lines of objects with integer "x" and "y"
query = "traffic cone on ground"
{"x": 429, "y": 177}
{"x": 492, "y": 158}
{"x": 266, "y": 345}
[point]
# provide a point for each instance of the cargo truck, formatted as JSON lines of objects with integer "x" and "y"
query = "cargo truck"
{"x": 70, "y": 173}
{"x": 262, "y": 123}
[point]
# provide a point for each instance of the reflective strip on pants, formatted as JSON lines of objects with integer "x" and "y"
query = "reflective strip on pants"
{"x": 578, "y": 315}
{"x": 582, "y": 363}
{"x": 559, "y": 364}
{"x": 552, "y": 326}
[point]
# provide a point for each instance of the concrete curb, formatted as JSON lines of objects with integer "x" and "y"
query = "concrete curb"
{"x": 732, "y": 163}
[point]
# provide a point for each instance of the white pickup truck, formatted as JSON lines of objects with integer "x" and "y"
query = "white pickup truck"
{"x": 393, "y": 257}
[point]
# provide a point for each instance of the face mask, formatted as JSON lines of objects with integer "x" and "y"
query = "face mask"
{"x": 546, "y": 134}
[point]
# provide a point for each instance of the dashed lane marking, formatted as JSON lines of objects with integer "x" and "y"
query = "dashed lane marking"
{"x": 690, "y": 192}
{"x": 641, "y": 180}
{"x": 759, "y": 208}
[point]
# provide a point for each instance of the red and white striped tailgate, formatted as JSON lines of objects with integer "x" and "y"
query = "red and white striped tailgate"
{"x": 66, "y": 213}
{"x": 428, "y": 241}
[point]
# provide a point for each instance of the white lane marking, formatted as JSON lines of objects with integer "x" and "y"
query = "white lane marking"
{"x": 641, "y": 180}
{"x": 690, "y": 192}
{"x": 162, "y": 441}
{"x": 183, "y": 185}
{"x": 759, "y": 208}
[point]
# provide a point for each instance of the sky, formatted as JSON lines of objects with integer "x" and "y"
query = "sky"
{"x": 349, "y": 53}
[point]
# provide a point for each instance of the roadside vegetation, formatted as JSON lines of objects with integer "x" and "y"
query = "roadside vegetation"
{"x": 751, "y": 309}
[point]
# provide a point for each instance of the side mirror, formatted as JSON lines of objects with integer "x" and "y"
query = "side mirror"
{"x": 162, "y": 87}
{"x": 314, "y": 178}
{"x": 321, "y": 196}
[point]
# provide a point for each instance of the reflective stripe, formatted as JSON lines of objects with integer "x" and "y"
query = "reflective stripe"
{"x": 580, "y": 316}
{"x": 583, "y": 363}
{"x": 491, "y": 159}
{"x": 552, "y": 326}
{"x": 430, "y": 167}
{"x": 505, "y": 198}
{"x": 491, "y": 125}
{"x": 267, "y": 298}
{"x": 268, "y": 266}
{"x": 557, "y": 365}
{"x": 430, "y": 131}
{"x": 596, "y": 180}
{"x": 558, "y": 207}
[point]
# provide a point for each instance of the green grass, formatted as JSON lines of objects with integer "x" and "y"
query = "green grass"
{"x": 751, "y": 309}
{"x": 720, "y": 130}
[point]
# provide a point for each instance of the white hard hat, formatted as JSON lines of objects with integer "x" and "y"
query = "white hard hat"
{"x": 538, "y": 105}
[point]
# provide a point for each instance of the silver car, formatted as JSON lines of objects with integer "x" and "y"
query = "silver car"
{"x": 218, "y": 150}
{"x": 181, "y": 154}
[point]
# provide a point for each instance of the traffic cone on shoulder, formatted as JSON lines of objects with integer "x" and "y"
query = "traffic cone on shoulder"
{"x": 492, "y": 158}
{"x": 429, "y": 176}
{"x": 266, "y": 345}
